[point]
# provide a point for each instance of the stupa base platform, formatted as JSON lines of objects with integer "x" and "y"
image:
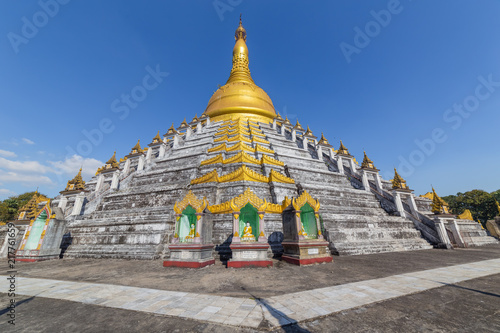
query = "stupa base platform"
{"x": 190, "y": 255}
{"x": 306, "y": 252}
{"x": 35, "y": 255}
{"x": 249, "y": 255}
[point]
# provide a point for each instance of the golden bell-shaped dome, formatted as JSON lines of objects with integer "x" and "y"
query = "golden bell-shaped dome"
{"x": 240, "y": 97}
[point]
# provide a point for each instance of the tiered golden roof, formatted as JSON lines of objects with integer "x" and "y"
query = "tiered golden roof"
{"x": 398, "y": 182}
{"x": 157, "y": 138}
{"x": 287, "y": 122}
{"x": 76, "y": 183}
{"x": 183, "y": 125}
{"x": 367, "y": 163}
{"x": 298, "y": 127}
{"x": 240, "y": 96}
{"x": 137, "y": 148}
{"x": 278, "y": 118}
{"x": 110, "y": 164}
{"x": 30, "y": 209}
{"x": 171, "y": 131}
{"x": 309, "y": 133}
{"x": 343, "y": 150}
{"x": 323, "y": 141}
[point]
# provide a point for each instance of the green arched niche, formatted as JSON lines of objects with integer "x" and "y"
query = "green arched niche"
{"x": 308, "y": 221}
{"x": 36, "y": 231}
{"x": 249, "y": 214}
{"x": 187, "y": 219}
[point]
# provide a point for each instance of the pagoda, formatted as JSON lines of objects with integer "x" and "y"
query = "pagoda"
{"x": 241, "y": 185}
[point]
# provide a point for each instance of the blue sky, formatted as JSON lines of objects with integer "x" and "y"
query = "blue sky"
{"x": 63, "y": 68}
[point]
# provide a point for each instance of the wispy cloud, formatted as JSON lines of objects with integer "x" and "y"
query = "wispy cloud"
{"x": 4, "y": 192}
{"x": 7, "y": 153}
{"x": 28, "y": 141}
{"x": 25, "y": 166}
{"x": 24, "y": 179}
{"x": 70, "y": 166}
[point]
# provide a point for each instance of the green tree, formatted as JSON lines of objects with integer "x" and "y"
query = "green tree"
{"x": 9, "y": 208}
{"x": 496, "y": 195}
{"x": 481, "y": 204}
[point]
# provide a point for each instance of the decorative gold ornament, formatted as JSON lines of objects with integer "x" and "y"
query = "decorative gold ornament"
{"x": 209, "y": 177}
{"x": 171, "y": 131}
{"x": 183, "y": 125}
{"x": 466, "y": 215}
{"x": 76, "y": 183}
{"x": 298, "y": 127}
{"x": 343, "y": 150}
{"x": 191, "y": 200}
{"x": 323, "y": 141}
{"x": 367, "y": 163}
{"x": 279, "y": 119}
{"x": 287, "y": 122}
{"x": 269, "y": 160}
{"x": 243, "y": 173}
{"x": 260, "y": 140}
{"x": 239, "y": 146}
{"x": 220, "y": 147}
{"x": 137, "y": 148}
{"x": 309, "y": 133}
{"x": 241, "y": 157}
{"x": 240, "y": 97}
{"x": 398, "y": 181}
{"x": 262, "y": 149}
{"x": 299, "y": 202}
{"x": 275, "y": 176}
{"x": 213, "y": 160}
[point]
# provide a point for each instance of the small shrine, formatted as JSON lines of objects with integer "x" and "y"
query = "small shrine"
{"x": 191, "y": 245}
{"x": 303, "y": 242}
{"x": 42, "y": 238}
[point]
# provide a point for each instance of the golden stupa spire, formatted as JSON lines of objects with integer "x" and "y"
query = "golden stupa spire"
{"x": 367, "y": 163}
{"x": 157, "y": 138}
{"x": 343, "y": 150}
{"x": 240, "y": 70}
{"x": 398, "y": 181}
{"x": 297, "y": 126}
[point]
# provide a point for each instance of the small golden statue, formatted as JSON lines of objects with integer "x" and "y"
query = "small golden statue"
{"x": 247, "y": 233}
{"x": 191, "y": 234}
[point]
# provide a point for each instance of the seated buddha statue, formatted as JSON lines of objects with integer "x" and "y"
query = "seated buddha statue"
{"x": 247, "y": 233}
{"x": 191, "y": 234}
{"x": 302, "y": 230}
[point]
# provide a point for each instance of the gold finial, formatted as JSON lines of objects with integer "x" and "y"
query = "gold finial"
{"x": 137, "y": 148}
{"x": 157, "y": 138}
{"x": 342, "y": 149}
{"x": 323, "y": 141}
{"x": 171, "y": 130}
{"x": 398, "y": 181}
{"x": 195, "y": 119}
{"x": 287, "y": 122}
{"x": 367, "y": 163}
{"x": 298, "y": 127}
{"x": 76, "y": 183}
{"x": 184, "y": 124}
{"x": 437, "y": 203}
{"x": 279, "y": 118}
{"x": 309, "y": 133}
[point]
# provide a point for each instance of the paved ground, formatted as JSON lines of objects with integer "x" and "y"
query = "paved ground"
{"x": 401, "y": 301}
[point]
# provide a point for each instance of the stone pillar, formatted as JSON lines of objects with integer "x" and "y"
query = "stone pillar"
{"x": 149, "y": 154}
{"x": 199, "y": 224}
{"x": 274, "y": 124}
{"x": 100, "y": 181}
{"x": 366, "y": 183}
{"x": 352, "y": 165}
{"x": 443, "y": 235}
{"x": 208, "y": 121}
{"x": 236, "y": 228}
{"x": 199, "y": 127}
{"x": 294, "y": 134}
{"x": 163, "y": 148}
{"x": 62, "y": 203}
{"x": 319, "y": 150}
{"x": 189, "y": 132}
{"x": 282, "y": 131}
{"x": 378, "y": 182}
{"x": 305, "y": 142}
{"x": 77, "y": 208}
{"x": 456, "y": 233}
{"x": 399, "y": 204}
{"x": 340, "y": 165}
{"x": 176, "y": 141}
{"x": 116, "y": 180}
{"x": 126, "y": 167}
{"x": 140, "y": 165}
{"x": 413, "y": 205}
